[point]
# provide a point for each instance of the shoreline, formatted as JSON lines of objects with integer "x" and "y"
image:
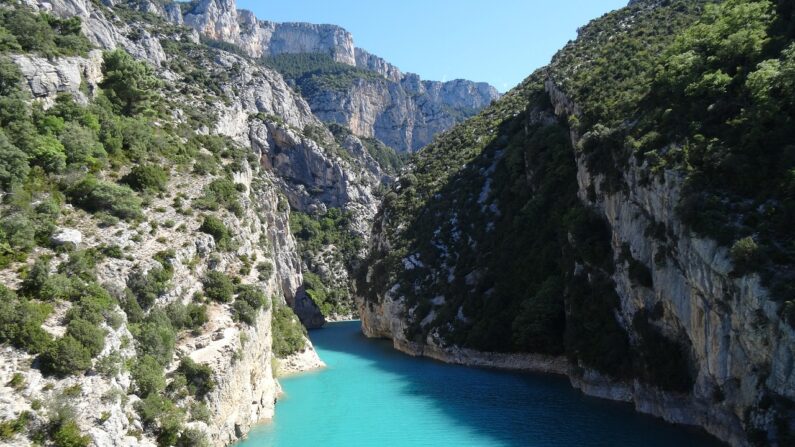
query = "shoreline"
{"x": 673, "y": 408}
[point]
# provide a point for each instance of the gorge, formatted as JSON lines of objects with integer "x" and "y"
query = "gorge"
{"x": 186, "y": 188}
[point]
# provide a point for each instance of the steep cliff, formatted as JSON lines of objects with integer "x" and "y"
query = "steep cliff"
{"x": 399, "y": 109}
{"x": 145, "y": 237}
{"x": 613, "y": 219}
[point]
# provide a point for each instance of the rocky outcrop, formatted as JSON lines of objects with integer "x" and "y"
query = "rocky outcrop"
{"x": 399, "y": 109}
{"x": 47, "y": 79}
{"x": 405, "y": 115}
{"x": 221, "y": 20}
{"x": 740, "y": 348}
{"x": 371, "y": 62}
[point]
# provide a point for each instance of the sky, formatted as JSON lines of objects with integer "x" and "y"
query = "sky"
{"x": 496, "y": 41}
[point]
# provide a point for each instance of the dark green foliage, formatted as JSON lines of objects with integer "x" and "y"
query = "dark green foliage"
{"x": 215, "y": 227}
{"x": 199, "y": 377}
{"x": 330, "y": 300}
{"x": 147, "y": 287}
{"x": 146, "y": 178}
{"x": 148, "y": 376}
{"x": 9, "y": 428}
{"x": 68, "y": 434}
{"x": 387, "y": 158}
{"x": 129, "y": 84}
{"x": 220, "y": 193}
{"x": 193, "y": 316}
{"x": 81, "y": 264}
{"x": 13, "y": 162}
{"x": 314, "y": 73}
{"x": 66, "y": 356}
{"x": 94, "y": 195}
{"x": 161, "y": 415}
{"x": 192, "y": 438}
{"x": 288, "y": 332}
{"x": 250, "y": 299}
{"x": 81, "y": 147}
{"x": 156, "y": 337}
{"x": 722, "y": 91}
{"x": 317, "y": 232}
{"x": 21, "y": 320}
{"x": 218, "y": 287}
{"x": 24, "y": 30}
{"x": 88, "y": 334}
{"x": 593, "y": 336}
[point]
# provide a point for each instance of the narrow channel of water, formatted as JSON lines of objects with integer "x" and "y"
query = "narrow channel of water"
{"x": 372, "y": 395}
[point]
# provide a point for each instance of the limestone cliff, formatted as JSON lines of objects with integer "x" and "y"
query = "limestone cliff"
{"x": 290, "y": 161}
{"x": 399, "y": 109}
{"x": 532, "y": 249}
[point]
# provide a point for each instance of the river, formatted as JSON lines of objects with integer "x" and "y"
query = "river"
{"x": 372, "y": 395}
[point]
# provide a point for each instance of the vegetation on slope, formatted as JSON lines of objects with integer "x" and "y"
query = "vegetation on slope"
{"x": 315, "y": 73}
{"x": 485, "y": 228}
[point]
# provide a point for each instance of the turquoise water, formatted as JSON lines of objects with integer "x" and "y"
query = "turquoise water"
{"x": 372, "y": 395}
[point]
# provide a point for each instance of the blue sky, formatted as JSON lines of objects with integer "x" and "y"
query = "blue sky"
{"x": 497, "y": 41}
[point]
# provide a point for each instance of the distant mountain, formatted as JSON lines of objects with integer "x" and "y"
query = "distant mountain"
{"x": 401, "y": 110}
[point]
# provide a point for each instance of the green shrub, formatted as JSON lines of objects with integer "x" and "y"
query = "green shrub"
{"x": 156, "y": 337}
{"x": 192, "y": 438}
{"x": 148, "y": 376}
{"x": 264, "y": 270}
{"x": 147, "y": 287}
{"x": 288, "y": 332}
{"x": 220, "y": 193}
{"x": 81, "y": 264}
{"x": 66, "y": 356}
{"x": 21, "y": 320}
{"x": 9, "y": 428}
{"x": 215, "y": 227}
{"x": 191, "y": 316}
{"x": 17, "y": 381}
{"x": 42, "y": 33}
{"x": 146, "y": 178}
{"x": 161, "y": 415}
{"x": 68, "y": 434}
{"x": 200, "y": 412}
{"x": 199, "y": 377}
{"x": 81, "y": 146}
{"x": 95, "y": 305}
{"x": 129, "y": 84}
{"x": 218, "y": 287}
{"x": 95, "y": 196}
{"x": 242, "y": 311}
{"x": 88, "y": 334}
{"x": 110, "y": 365}
{"x": 745, "y": 254}
{"x": 18, "y": 231}
{"x": 14, "y": 166}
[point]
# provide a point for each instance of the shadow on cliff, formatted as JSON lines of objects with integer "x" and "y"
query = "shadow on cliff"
{"x": 508, "y": 409}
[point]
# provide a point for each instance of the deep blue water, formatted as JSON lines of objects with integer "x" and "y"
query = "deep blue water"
{"x": 372, "y": 395}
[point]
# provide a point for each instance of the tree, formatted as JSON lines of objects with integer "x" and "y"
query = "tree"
{"x": 148, "y": 376}
{"x": 218, "y": 287}
{"x": 67, "y": 356}
{"x": 10, "y": 76}
{"x": 129, "y": 84}
{"x": 88, "y": 334}
{"x": 146, "y": 178}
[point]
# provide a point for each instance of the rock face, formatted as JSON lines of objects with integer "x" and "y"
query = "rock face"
{"x": 401, "y": 110}
{"x": 221, "y": 20}
{"x": 74, "y": 75}
{"x": 737, "y": 344}
{"x": 406, "y": 114}
{"x": 294, "y": 162}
